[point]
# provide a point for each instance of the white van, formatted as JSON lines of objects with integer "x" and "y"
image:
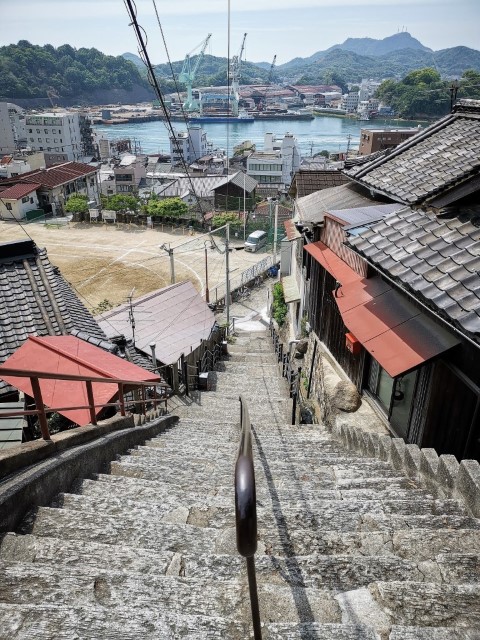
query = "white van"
{"x": 256, "y": 240}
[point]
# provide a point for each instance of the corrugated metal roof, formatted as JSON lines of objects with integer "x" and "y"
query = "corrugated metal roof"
{"x": 312, "y": 208}
{"x": 329, "y": 260}
{"x": 175, "y": 318}
{"x": 365, "y": 215}
{"x": 69, "y": 355}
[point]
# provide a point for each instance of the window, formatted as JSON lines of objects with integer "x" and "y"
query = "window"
{"x": 8, "y": 205}
{"x": 26, "y": 199}
{"x": 30, "y": 131}
{"x": 39, "y": 139}
{"x": 38, "y": 130}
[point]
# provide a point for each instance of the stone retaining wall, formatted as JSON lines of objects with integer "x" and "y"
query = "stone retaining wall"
{"x": 49, "y": 468}
{"x": 442, "y": 475}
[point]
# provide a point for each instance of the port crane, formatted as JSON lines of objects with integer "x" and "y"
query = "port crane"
{"x": 263, "y": 103}
{"x": 234, "y": 75}
{"x": 188, "y": 73}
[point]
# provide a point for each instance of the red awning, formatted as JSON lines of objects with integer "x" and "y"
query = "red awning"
{"x": 69, "y": 355}
{"x": 339, "y": 269}
{"x": 394, "y": 331}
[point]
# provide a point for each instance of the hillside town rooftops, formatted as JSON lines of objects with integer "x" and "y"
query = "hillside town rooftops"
{"x": 432, "y": 165}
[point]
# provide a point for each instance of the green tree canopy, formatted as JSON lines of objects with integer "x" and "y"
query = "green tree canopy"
{"x": 230, "y": 217}
{"x": 77, "y": 204}
{"x": 169, "y": 208}
{"x": 121, "y": 202}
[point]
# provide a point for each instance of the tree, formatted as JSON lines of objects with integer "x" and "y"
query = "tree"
{"x": 77, "y": 204}
{"x": 221, "y": 219}
{"x": 172, "y": 208}
{"x": 121, "y": 202}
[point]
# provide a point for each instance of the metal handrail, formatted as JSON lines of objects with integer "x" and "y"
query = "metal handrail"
{"x": 246, "y": 511}
{"x": 41, "y": 410}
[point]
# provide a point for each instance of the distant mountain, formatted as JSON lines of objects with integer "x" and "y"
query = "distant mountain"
{"x": 132, "y": 57}
{"x": 348, "y": 66}
{"x": 372, "y": 47}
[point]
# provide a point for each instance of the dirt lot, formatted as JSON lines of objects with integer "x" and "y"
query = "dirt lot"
{"x": 104, "y": 263}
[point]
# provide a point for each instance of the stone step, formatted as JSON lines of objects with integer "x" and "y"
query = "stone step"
{"x": 432, "y": 633}
{"x": 57, "y": 622}
{"x": 220, "y": 516}
{"x": 337, "y": 573}
{"x": 146, "y": 491}
{"x": 149, "y": 490}
{"x": 85, "y": 527}
{"x": 97, "y": 589}
{"x": 423, "y": 604}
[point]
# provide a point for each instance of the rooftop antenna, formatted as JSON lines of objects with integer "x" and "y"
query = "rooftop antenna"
{"x": 131, "y": 317}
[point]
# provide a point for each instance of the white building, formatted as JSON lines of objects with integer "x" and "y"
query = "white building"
{"x": 191, "y": 145}
{"x": 350, "y": 101}
{"x": 8, "y": 134}
{"x": 275, "y": 166}
{"x": 17, "y": 200}
{"x": 59, "y": 132}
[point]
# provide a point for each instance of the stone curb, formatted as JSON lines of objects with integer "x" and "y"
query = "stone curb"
{"x": 443, "y": 475}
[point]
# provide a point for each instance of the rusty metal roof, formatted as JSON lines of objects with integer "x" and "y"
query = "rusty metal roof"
{"x": 69, "y": 355}
{"x": 394, "y": 331}
{"x": 175, "y": 318}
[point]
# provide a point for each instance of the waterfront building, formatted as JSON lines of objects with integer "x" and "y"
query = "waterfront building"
{"x": 350, "y": 101}
{"x": 274, "y": 167}
{"x": 372, "y": 140}
{"x": 10, "y": 115}
{"x": 191, "y": 145}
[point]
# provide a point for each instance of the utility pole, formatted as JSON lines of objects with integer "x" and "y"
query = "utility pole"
{"x": 227, "y": 273}
{"x": 207, "y": 292}
{"x": 172, "y": 264}
{"x": 275, "y": 234}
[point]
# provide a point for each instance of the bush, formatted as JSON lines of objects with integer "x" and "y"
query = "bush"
{"x": 279, "y": 306}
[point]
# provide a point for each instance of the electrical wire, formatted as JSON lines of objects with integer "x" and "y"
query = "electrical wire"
{"x": 154, "y": 83}
{"x": 172, "y": 71}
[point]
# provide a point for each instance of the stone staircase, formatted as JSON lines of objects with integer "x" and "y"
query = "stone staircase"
{"x": 349, "y": 547}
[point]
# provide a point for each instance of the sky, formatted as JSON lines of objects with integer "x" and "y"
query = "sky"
{"x": 285, "y": 28}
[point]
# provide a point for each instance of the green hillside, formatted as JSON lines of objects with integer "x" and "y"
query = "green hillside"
{"x": 30, "y": 71}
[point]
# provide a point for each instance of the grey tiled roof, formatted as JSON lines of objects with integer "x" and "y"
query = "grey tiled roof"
{"x": 36, "y": 300}
{"x": 437, "y": 258}
{"x": 437, "y": 159}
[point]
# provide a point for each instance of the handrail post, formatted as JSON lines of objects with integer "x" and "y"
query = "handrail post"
{"x": 91, "y": 402}
{"x": 42, "y": 416}
{"x": 252, "y": 587}
{"x": 121, "y": 399}
{"x": 246, "y": 512}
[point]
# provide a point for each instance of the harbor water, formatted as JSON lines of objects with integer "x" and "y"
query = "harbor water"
{"x": 322, "y": 133}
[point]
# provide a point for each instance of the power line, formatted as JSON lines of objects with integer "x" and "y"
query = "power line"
{"x": 142, "y": 42}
